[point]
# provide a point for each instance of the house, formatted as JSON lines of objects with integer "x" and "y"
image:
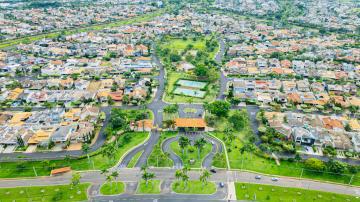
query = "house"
{"x": 15, "y": 94}
{"x": 41, "y": 137}
{"x": 185, "y": 66}
{"x": 190, "y": 124}
{"x": 303, "y": 136}
{"x": 332, "y": 123}
{"x": 62, "y": 133}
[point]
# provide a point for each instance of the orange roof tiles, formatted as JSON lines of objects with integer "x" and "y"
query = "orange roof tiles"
{"x": 190, "y": 122}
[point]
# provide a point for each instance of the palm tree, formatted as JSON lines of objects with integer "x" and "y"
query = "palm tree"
{"x": 185, "y": 178}
{"x": 75, "y": 180}
{"x": 183, "y": 143}
{"x": 146, "y": 176}
{"x": 115, "y": 175}
{"x": 85, "y": 148}
{"x": 204, "y": 177}
{"x": 109, "y": 151}
{"x": 109, "y": 179}
{"x": 178, "y": 174}
{"x": 199, "y": 143}
{"x": 248, "y": 147}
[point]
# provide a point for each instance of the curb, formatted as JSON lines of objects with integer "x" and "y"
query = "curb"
{"x": 225, "y": 150}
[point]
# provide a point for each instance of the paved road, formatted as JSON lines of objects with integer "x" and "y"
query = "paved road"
{"x": 217, "y": 147}
{"x": 134, "y": 175}
{"x": 175, "y": 158}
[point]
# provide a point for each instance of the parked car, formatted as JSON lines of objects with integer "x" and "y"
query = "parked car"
{"x": 258, "y": 177}
{"x": 221, "y": 184}
{"x": 274, "y": 179}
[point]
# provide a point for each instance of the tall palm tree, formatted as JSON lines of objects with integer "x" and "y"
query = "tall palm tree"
{"x": 200, "y": 143}
{"x": 109, "y": 179}
{"x": 178, "y": 174}
{"x": 85, "y": 149}
{"x": 115, "y": 175}
{"x": 204, "y": 177}
{"x": 183, "y": 143}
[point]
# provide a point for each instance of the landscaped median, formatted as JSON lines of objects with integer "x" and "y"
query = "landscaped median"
{"x": 45, "y": 193}
{"x": 157, "y": 157}
{"x": 112, "y": 188}
{"x": 259, "y": 192}
{"x": 151, "y": 187}
{"x": 193, "y": 187}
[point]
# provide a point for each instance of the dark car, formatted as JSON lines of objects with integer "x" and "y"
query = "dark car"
{"x": 212, "y": 170}
{"x": 221, "y": 184}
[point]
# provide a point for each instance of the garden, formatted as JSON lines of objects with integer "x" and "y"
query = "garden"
{"x": 198, "y": 81}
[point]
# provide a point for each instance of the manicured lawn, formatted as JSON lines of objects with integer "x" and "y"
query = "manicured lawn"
{"x": 153, "y": 187}
{"x": 97, "y": 161}
{"x": 112, "y": 188}
{"x": 44, "y": 193}
{"x": 134, "y": 159}
{"x": 245, "y": 191}
{"x": 157, "y": 157}
{"x": 194, "y": 187}
{"x": 188, "y": 154}
{"x": 167, "y": 116}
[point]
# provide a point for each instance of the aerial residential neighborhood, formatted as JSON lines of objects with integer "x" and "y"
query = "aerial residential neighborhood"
{"x": 168, "y": 100}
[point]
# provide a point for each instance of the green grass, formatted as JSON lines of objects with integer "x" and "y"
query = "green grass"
{"x": 134, "y": 159}
{"x": 157, "y": 157}
{"x": 44, "y": 193}
{"x": 112, "y": 188}
{"x": 191, "y": 155}
{"x": 167, "y": 116}
{"x": 142, "y": 18}
{"x": 194, "y": 187}
{"x": 97, "y": 160}
{"x": 245, "y": 191}
{"x": 153, "y": 187}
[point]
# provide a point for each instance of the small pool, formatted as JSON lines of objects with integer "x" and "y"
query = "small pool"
{"x": 191, "y": 84}
{"x": 189, "y": 92}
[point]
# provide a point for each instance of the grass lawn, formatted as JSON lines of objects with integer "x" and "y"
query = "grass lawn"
{"x": 153, "y": 187}
{"x": 194, "y": 187}
{"x": 134, "y": 159}
{"x": 97, "y": 161}
{"x": 167, "y": 116}
{"x": 112, "y": 188}
{"x": 44, "y": 193}
{"x": 191, "y": 154}
{"x": 157, "y": 157}
{"x": 245, "y": 191}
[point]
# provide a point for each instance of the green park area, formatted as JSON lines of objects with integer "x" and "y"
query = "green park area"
{"x": 112, "y": 188}
{"x": 119, "y": 142}
{"x": 191, "y": 155}
{"x": 194, "y": 187}
{"x": 157, "y": 157}
{"x": 45, "y": 193}
{"x": 190, "y": 60}
{"x": 257, "y": 192}
{"x": 151, "y": 187}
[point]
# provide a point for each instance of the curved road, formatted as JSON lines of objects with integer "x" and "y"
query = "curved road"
{"x": 217, "y": 147}
{"x": 175, "y": 158}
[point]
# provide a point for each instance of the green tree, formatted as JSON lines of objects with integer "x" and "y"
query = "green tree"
{"x": 219, "y": 108}
{"x": 85, "y": 149}
{"x": 200, "y": 143}
{"x": 183, "y": 143}
{"x": 335, "y": 166}
{"x": 75, "y": 180}
{"x": 314, "y": 164}
{"x": 237, "y": 120}
{"x": 204, "y": 177}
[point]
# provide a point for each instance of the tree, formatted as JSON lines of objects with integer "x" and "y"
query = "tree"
{"x": 183, "y": 143}
{"x": 146, "y": 176}
{"x": 85, "y": 149}
{"x": 109, "y": 151}
{"x": 178, "y": 174}
{"x": 171, "y": 109}
{"x": 201, "y": 71}
{"x": 204, "y": 177}
{"x": 314, "y": 164}
{"x": 335, "y": 166}
{"x": 115, "y": 175}
{"x": 237, "y": 120}
{"x": 200, "y": 143}
{"x": 219, "y": 108}
{"x": 169, "y": 123}
{"x": 347, "y": 127}
{"x": 75, "y": 180}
